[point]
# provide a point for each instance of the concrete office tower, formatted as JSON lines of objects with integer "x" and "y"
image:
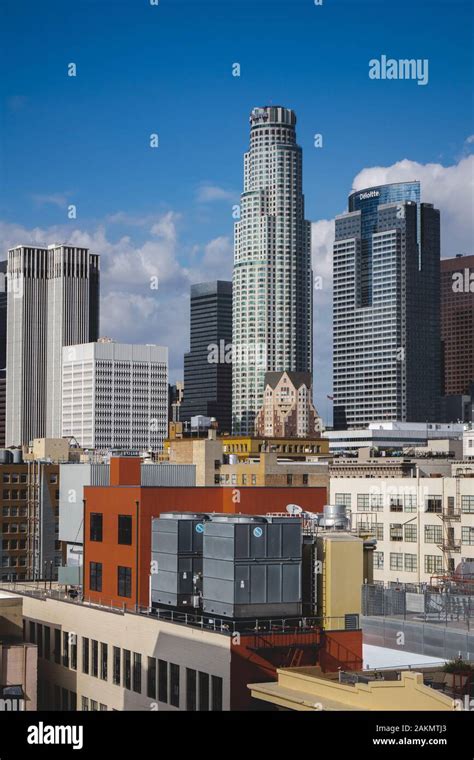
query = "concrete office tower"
{"x": 73, "y": 316}
{"x": 272, "y": 279}
{"x": 115, "y": 396}
{"x": 3, "y": 347}
{"x": 208, "y": 365}
{"x": 386, "y": 319}
{"x": 53, "y": 300}
{"x": 457, "y": 324}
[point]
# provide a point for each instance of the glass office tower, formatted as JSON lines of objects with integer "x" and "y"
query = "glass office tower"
{"x": 386, "y": 319}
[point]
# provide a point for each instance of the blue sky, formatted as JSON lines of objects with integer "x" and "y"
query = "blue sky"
{"x": 167, "y": 69}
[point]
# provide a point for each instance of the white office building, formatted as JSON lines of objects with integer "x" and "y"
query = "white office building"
{"x": 53, "y": 302}
{"x": 272, "y": 279}
{"x": 115, "y": 396}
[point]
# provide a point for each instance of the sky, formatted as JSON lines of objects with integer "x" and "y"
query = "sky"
{"x": 167, "y": 69}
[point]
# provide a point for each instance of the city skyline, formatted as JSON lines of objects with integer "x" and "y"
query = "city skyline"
{"x": 173, "y": 216}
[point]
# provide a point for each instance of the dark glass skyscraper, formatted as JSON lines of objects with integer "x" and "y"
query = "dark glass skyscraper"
{"x": 387, "y": 360}
{"x": 208, "y": 365}
{"x": 3, "y": 348}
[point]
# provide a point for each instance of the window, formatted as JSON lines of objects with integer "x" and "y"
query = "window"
{"x": 174, "y": 684}
{"x": 305, "y": 479}
{"x": 396, "y": 532}
{"x": 116, "y": 666}
{"x": 85, "y": 704}
{"x": 289, "y": 480}
{"x": 124, "y": 581}
{"x": 95, "y": 572}
{"x": 96, "y": 526}
{"x": 95, "y": 658}
{"x": 39, "y": 639}
{"x": 65, "y": 701}
{"x": 151, "y": 678}
{"x": 378, "y": 560}
{"x": 433, "y": 534}
{"x": 47, "y": 642}
{"x": 73, "y": 650}
{"x": 65, "y": 649}
{"x": 434, "y": 504}
{"x": 137, "y": 673}
{"x": 73, "y": 700}
{"x": 411, "y": 533}
{"x": 467, "y": 535}
{"x": 378, "y": 528}
{"x": 190, "y": 690}
{"x": 216, "y": 692}
{"x": 396, "y": 504}
{"x": 396, "y": 561}
{"x": 410, "y": 503}
{"x": 125, "y": 530}
{"x": 162, "y": 681}
{"x": 93, "y": 705}
{"x": 343, "y": 499}
{"x": 32, "y": 632}
{"x": 203, "y": 692}
{"x": 467, "y": 504}
{"x": 103, "y": 661}
{"x": 433, "y": 563}
{"x": 57, "y": 646}
{"x": 102, "y": 708}
{"x": 411, "y": 563}
{"x": 127, "y": 676}
{"x": 85, "y": 656}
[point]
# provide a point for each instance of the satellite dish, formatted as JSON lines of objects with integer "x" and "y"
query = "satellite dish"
{"x": 294, "y": 509}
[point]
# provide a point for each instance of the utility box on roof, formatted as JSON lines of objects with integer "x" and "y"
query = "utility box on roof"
{"x": 177, "y": 539}
{"x": 252, "y": 566}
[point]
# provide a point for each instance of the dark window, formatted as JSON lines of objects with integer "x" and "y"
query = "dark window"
{"x": 151, "y": 678}
{"x": 116, "y": 670}
{"x": 305, "y": 479}
{"x": 73, "y": 700}
{"x": 289, "y": 480}
{"x": 103, "y": 661}
{"x": 73, "y": 651}
{"x": 190, "y": 689}
{"x": 32, "y": 632}
{"x": 57, "y": 646}
{"x": 162, "y": 681}
{"x": 65, "y": 649}
{"x": 124, "y": 581}
{"x": 95, "y": 576}
{"x": 137, "y": 673}
{"x": 39, "y": 637}
{"x": 95, "y": 658}
{"x": 126, "y": 669}
{"x": 96, "y": 526}
{"x": 203, "y": 692}
{"x": 125, "y": 529}
{"x": 216, "y": 693}
{"x": 65, "y": 700}
{"x": 85, "y": 656}
{"x": 47, "y": 642}
{"x": 174, "y": 684}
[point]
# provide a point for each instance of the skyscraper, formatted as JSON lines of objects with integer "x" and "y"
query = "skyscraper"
{"x": 457, "y": 324}
{"x": 386, "y": 308}
{"x": 272, "y": 279}
{"x": 3, "y": 347}
{"x": 53, "y": 301}
{"x": 208, "y": 365}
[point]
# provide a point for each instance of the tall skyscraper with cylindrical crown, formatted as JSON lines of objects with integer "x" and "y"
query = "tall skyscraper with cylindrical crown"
{"x": 272, "y": 279}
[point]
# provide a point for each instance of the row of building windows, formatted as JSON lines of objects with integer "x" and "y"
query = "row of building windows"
{"x": 409, "y": 562}
{"x": 405, "y": 503}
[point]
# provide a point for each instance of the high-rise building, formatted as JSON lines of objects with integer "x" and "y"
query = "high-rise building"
{"x": 54, "y": 301}
{"x": 457, "y": 324}
{"x": 115, "y": 396}
{"x": 208, "y": 365}
{"x": 386, "y": 322}
{"x": 3, "y": 347}
{"x": 272, "y": 280}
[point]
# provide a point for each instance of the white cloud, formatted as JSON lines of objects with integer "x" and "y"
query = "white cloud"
{"x": 211, "y": 193}
{"x": 469, "y": 139}
{"x": 54, "y": 199}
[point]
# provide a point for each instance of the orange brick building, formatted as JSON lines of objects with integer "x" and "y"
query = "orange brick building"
{"x": 117, "y": 525}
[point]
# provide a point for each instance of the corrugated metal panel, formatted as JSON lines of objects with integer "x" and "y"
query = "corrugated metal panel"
{"x": 168, "y": 475}
{"x": 100, "y": 475}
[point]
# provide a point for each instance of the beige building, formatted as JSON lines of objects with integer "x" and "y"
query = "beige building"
{"x": 288, "y": 409}
{"x": 307, "y": 689}
{"x": 18, "y": 661}
{"x": 269, "y": 470}
{"x": 424, "y": 526}
{"x": 93, "y": 658}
